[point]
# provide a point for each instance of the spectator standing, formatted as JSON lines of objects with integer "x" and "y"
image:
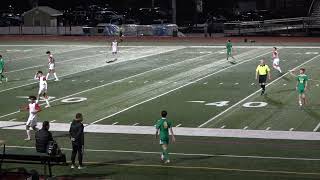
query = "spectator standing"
{"x": 43, "y": 138}
{"x": 77, "y": 140}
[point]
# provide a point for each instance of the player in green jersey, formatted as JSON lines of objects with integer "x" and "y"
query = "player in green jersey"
{"x": 229, "y": 52}
{"x": 163, "y": 127}
{"x": 2, "y": 70}
{"x": 302, "y": 84}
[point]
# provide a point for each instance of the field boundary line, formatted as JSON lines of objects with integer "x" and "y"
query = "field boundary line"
{"x": 253, "y": 94}
{"x": 180, "y": 87}
{"x": 316, "y": 128}
{"x": 119, "y": 80}
{"x": 184, "y": 154}
{"x": 180, "y": 131}
{"x": 103, "y": 65}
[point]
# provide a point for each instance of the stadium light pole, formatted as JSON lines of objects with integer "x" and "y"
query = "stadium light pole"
{"x": 174, "y": 11}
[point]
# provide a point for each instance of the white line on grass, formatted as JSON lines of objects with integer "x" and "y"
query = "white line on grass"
{"x": 316, "y": 128}
{"x": 99, "y": 120}
{"x": 115, "y": 123}
{"x": 268, "y": 128}
{"x": 13, "y": 119}
{"x": 245, "y": 128}
{"x": 140, "y": 57}
{"x": 251, "y": 95}
{"x": 113, "y": 82}
{"x": 178, "y": 125}
{"x": 222, "y": 127}
{"x": 291, "y": 129}
{"x": 187, "y": 154}
{"x": 135, "y": 124}
{"x": 53, "y": 121}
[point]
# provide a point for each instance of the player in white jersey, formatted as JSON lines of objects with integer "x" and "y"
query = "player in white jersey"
{"x": 276, "y": 60}
{"x": 114, "y": 48}
{"x": 51, "y": 64}
{"x": 33, "y": 109}
{"x": 43, "y": 87}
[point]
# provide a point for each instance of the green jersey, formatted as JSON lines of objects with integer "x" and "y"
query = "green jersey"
{"x": 302, "y": 80}
{"x": 1, "y": 64}
{"x": 229, "y": 46}
{"x": 163, "y": 125}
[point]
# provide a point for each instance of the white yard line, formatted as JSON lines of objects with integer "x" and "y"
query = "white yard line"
{"x": 115, "y": 123}
{"x": 291, "y": 129}
{"x": 105, "y": 64}
{"x": 251, "y": 95}
{"x": 53, "y": 121}
{"x": 13, "y": 119}
{"x": 245, "y": 128}
{"x": 180, "y": 131}
{"x": 316, "y": 128}
{"x": 135, "y": 124}
{"x": 175, "y": 89}
{"x": 268, "y": 128}
{"x": 184, "y": 154}
{"x": 178, "y": 125}
{"x": 113, "y": 82}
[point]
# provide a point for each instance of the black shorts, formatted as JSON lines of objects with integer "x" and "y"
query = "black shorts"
{"x": 262, "y": 79}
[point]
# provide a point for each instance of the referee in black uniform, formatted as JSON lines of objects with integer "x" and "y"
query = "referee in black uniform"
{"x": 263, "y": 72}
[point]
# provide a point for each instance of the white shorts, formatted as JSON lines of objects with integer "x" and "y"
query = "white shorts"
{"x": 42, "y": 90}
{"x": 51, "y": 66}
{"x": 276, "y": 62}
{"x": 32, "y": 121}
{"x": 114, "y": 50}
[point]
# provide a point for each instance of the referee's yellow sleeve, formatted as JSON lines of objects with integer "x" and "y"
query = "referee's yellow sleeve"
{"x": 257, "y": 70}
{"x": 268, "y": 69}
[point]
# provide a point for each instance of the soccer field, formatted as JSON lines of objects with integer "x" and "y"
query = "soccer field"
{"x": 225, "y": 128}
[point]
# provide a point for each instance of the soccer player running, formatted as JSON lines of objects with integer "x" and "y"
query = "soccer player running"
{"x": 262, "y": 72}
{"x": 229, "y": 52}
{"x": 43, "y": 87}
{"x": 114, "y": 47}
{"x": 33, "y": 108}
{"x": 276, "y": 60}
{"x": 2, "y": 70}
{"x": 163, "y": 126}
{"x": 51, "y": 64}
{"x": 302, "y": 84}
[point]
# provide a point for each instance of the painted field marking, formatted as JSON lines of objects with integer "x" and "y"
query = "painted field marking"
{"x": 187, "y": 154}
{"x": 131, "y": 82}
{"x": 87, "y": 81}
{"x": 13, "y": 119}
{"x": 222, "y": 127}
{"x": 245, "y": 128}
{"x": 101, "y": 81}
{"x": 60, "y": 62}
{"x": 236, "y": 83}
{"x": 252, "y": 84}
{"x": 291, "y": 129}
{"x": 221, "y": 83}
{"x": 73, "y": 80}
{"x": 115, "y": 123}
{"x": 205, "y": 83}
{"x": 53, "y": 121}
{"x": 284, "y": 84}
{"x": 178, "y": 125}
{"x": 135, "y": 124}
{"x": 268, "y": 128}
{"x": 145, "y": 82}
{"x": 196, "y": 101}
{"x": 316, "y": 128}
{"x": 135, "y": 58}
{"x": 175, "y": 89}
{"x": 251, "y": 95}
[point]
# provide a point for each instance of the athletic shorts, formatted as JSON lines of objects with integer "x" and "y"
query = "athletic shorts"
{"x": 300, "y": 90}
{"x": 276, "y": 62}
{"x": 229, "y": 52}
{"x": 51, "y": 66}
{"x": 262, "y": 79}
{"x": 32, "y": 122}
{"x": 164, "y": 141}
{"x": 42, "y": 90}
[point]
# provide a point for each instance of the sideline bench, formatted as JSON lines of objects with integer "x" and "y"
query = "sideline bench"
{"x": 33, "y": 158}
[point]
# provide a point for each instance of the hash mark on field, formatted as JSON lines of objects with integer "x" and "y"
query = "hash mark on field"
{"x": 317, "y": 85}
{"x": 160, "y": 82}
{"x": 284, "y": 84}
{"x": 135, "y": 124}
{"x": 236, "y": 83}
{"x": 245, "y": 128}
{"x": 178, "y": 125}
{"x": 145, "y": 82}
{"x": 53, "y": 121}
{"x": 205, "y": 83}
{"x": 87, "y": 80}
{"x": 222, "y": 127}
{"x": 268, "y": 128}
{"x": 252, "y": 84}
{"x": 221, "y": 83}
{"x": 115, "y": 123}
{"x": 73, "y": 80}
{"x": 316, "y": 128}
{"x": 13, "y": 119}
{"x": 101, "y": 81}
{"x": 131, "y": 82}
{"x": 291, "y": 129}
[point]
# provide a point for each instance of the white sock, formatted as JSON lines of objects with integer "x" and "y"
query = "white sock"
{"x": 47, "y": 102}
{"x": 55, "y": 75}
{"x": 29, "y": 134}
{"x": 279, "y": 69}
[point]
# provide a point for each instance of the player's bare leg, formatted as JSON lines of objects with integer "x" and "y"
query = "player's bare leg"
{"x": 28, "y": 133}
{"x": 165, "y": 154}
{"x": 46, "y": 99}
{"x": 277, "y": 67}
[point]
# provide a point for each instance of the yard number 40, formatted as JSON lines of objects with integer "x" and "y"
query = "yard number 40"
{"x": 247, "y": 105}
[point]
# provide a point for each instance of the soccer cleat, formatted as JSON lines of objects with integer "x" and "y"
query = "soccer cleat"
{"x": 81, "y": 167}
{"x": 72, "y": 166}
{"x": 167, "y": 161}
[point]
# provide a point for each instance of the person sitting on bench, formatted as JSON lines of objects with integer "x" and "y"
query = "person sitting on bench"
{"x": 43, "y": 138}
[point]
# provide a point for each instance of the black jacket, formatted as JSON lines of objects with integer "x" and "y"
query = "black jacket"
{"x": 43, "y": 137}
{"x": 77, "y": 132}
